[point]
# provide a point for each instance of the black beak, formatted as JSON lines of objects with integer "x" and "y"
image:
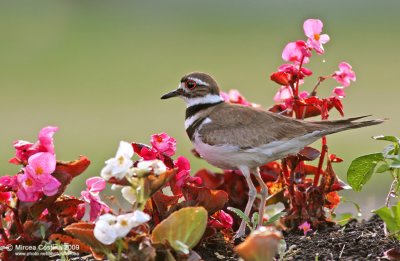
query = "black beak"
{"x": 170, "y": 94}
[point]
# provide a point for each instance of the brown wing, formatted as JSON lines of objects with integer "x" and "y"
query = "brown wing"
{"x": 249, "y": 127}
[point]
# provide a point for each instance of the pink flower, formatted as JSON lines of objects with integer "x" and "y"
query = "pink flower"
{"x": 345, "y": 74}
{"x": 312, "y": 29}
{"x": 91, "y": 195}
{"x": 9, "y": 181}
{"x": 284, "y": 94}
{"x": 338, "y": 92}
{"x": 29, "y": 189}
{"x": 41, "y": 165}
{"x": 46, "y": 139}
{"x": 295, "y": 51}
{"x": 294, "y": 70}
{"x": 164, "y": 143}
{"x": 234, "y": 96}
{"x": 37, "y": 178}
{"x": 183, "y": 176}
{"x": 306, "y": 227}
{"x": 221, "y": 220}
{"x": 25, "y": 149}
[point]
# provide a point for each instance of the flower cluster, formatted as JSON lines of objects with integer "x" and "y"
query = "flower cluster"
{"x": 290, "y": 76}
{"x": 35, "y": 179}
{"x": 109, "y": 227}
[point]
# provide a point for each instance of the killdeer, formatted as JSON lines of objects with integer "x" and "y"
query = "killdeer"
{"x": 231, "y": 136}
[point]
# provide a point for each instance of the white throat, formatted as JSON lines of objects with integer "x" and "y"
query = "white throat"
{"x": 209, "y": 98}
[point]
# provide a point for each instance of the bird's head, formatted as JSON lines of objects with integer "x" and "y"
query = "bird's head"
{"x": 196, "y": 88}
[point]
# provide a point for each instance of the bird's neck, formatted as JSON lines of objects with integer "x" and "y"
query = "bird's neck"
{"x": 202, "y": 103}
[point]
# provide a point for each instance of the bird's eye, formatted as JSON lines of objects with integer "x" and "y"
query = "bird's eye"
{"x": 190, "y": 84}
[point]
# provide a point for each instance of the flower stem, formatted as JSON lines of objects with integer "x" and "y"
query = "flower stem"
{"x": 324, "y": 150}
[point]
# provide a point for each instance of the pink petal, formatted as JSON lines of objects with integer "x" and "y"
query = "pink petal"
{"x": 51, "y": 187}
{"x": 344, "y": 67}
{"x": 95, "y": 184}
{"x": 44, "y": 162}
{"x": 46, "y": 138}
{"x": 324, "y": 38}
{"x": 339, "y": 92}
{"x": 312, "y": 27}
{"x": 304, "y": 95}
{"x": 284, "y": 93}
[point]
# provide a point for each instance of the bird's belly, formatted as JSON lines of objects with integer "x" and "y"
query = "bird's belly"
{"x": 228, "y": 156}
{"x": 231, "y": 157}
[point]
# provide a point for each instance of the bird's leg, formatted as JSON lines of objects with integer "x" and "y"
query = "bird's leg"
{"x": 252, "y": 195}
{"x": 264, "y": 194}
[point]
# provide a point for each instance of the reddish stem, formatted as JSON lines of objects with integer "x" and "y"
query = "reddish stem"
{"x": 324, "y": 150}
{"x": 296, "y": 91}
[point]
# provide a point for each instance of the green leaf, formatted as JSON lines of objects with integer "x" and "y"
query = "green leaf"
{"x": 254, "y": 220}
{"x": 387, "y": 138}
{"x": 361, "y": 169}
{"x": 242, "y": 215}
{"x": 391, "y": 217}
{"x": 344, "y": 218}
{"x": 239, "y": 213}
{"x": 382, "y": 168}
{"x": 395, "y": 164}
{"x": 182, "y": 229}
{"x": 274, "y": 218}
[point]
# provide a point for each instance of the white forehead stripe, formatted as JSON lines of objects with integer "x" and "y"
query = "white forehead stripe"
{"x": 198, "y": 81}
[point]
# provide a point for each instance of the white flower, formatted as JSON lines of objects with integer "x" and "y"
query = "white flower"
{"x": 118, "y": 166}
{"x": 129, "y": 193}
{"x": 109, "y": 227}
{"x": 157, "y": 166}
{"x": 103, "y": 230}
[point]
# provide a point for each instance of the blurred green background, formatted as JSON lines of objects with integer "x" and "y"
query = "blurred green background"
{"x": 97, "y": 69}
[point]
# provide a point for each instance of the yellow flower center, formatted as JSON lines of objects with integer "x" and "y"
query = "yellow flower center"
{"x": 121, "y": 160}
{"x": 39, "y": 171}
{"x": 28, "y": 182}
{"x": 317, "y": 37}
{"x": 124, "y": 223}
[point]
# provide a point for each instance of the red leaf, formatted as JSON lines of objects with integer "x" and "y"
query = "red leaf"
{"x": 281, "y": 78}
{"x": 334, "y": 158}
{"x": 308, "y": 154}
{"x": 270, "y": 171}
{"x": 210, "y": 179}
{"x": 337, "y": 103}
{"x": 211, "y": 200}
{"x": 163, "y": 202}
{"x": 65, "y": 206}
{"x": 83, "y": 248}
{"x": 72, "y": 168}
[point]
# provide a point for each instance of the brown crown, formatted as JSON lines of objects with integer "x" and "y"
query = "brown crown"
{"x": 210, "y": 86}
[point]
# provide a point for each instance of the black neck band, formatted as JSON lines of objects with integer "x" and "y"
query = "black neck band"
{"x": 192, "y": 110}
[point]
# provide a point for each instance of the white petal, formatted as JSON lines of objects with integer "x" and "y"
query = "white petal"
{"x": 104, "y": 232}
{"x": 159, "y": 167}
{"x": 115, "y": 186}
{"x": 125, "y": 148}
{"x": 106, "y": 172}
{"x": 129, "y": 194}
{"x": 138, "y": 218}
{"x": 109, "y": 218}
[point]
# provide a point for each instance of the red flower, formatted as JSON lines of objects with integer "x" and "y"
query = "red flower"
{"x": 221, "y": 220}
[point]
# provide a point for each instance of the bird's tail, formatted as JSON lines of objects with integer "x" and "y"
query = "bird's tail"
{"x": 330, "y": 127}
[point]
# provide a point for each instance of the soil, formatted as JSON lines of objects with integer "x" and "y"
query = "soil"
{"x": 355, "y": 241}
